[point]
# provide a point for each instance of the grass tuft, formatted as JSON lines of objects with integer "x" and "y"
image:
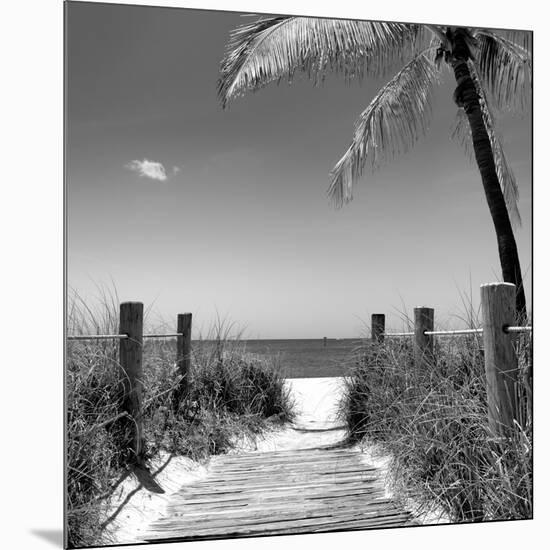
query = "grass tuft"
{"x": 433, "y": 424}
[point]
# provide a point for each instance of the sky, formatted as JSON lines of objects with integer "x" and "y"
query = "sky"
{"x": 224, "y": 213}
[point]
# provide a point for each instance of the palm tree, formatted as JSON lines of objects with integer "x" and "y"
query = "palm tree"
{"x": 492, "y": 72}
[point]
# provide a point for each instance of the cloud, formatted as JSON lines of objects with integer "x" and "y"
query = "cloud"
{"x": 148, "y": 169}
{"x": 176, "y": 170}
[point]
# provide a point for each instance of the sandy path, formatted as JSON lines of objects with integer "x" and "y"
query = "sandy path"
{"x": 316, "y": 424}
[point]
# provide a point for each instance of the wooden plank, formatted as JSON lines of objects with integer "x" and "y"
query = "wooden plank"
{"x": 303, "y": 465}
{"x": 267, "y": 510}
{"x": 369, "y": 498}
{"x": 252, "y": 488}
{"x": 289, "y": 457}
{"x": 314, "y": 523}
{"x": 274, "y": 474}
{"x": 293, "y": 474}
{"x": 265, "y": 523}
{"x": 291, "y": 502}
{"x": 271, "y": 462}
{"x": 292, "y": 453}
{"x": 219, "y": 502}
{"x": 265, "y": 515}
{"x": 321, "y": 467}
{"x": 287, "y": 480}
{"x": 318, "y": 474}
{"x": 314, "y": 526}
{"x": 301, "y": 452}
{"x": 282, "y": 474}
{"x": 313, "y": 454}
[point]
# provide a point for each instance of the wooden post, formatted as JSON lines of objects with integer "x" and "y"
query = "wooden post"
{"x": 501, "y": 369}
{"x": 131, "y": 323}
{"x": 423, "y": 344}
{"x": 183, "y": 352}
{"x": 378, "y": 327}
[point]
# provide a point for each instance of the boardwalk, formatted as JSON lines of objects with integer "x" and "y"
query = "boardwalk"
{"x": 305, "y": 483}
{"x": 275, "y": 493}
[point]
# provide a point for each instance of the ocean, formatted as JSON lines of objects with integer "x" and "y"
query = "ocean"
{"x": 306, "y": 358}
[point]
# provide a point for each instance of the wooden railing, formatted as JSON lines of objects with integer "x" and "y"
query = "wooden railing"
{"x": 498, "y": 310}
{"x": 131, "y": 338}
{"x": 498, "y": 330}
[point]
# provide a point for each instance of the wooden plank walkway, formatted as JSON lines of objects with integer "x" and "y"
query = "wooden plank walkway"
{"x": 280, "y": 492}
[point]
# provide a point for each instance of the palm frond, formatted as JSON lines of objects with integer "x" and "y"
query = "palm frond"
{"x": 463, "y": 135}
{"x": 504, "y": 67}
{"x": 276, "y": 47}
{"x": 397, "y": 116}
{"x": 521, "y": 38}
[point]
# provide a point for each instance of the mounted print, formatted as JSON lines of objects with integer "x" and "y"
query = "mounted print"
{"x": 299, "y": 286}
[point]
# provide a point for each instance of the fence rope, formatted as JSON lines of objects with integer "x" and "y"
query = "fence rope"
{"x": 117, "y": 336}
{"x": 454, "y": 332}
{"x": 459, "y": 332}
{"x": 96, "y": 336}
{"x": 387, "y": 334}
{"x": 175, "y": 335}
{"x": 518, "y": 329}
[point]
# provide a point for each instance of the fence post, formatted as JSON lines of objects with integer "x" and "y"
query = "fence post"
{"x": 423, "y": 343}
{"x": 183, "y": 353}
{"x": 498, "y": 310}
{"x": 131, "y": 348}
{"x": 378, "y": 327}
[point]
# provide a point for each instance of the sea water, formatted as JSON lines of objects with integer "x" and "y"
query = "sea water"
{"x": 306, "y": 358}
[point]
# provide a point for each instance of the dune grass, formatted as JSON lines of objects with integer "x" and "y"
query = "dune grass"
{"x": 432, "y": 423}
{"x": 233, "y": 395}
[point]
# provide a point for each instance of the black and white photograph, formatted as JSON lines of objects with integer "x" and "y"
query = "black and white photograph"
{"x": 299, "y": 264}
{"x": 298, "y": 273}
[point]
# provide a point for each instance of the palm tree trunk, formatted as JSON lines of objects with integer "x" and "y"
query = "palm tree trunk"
{"x": 466, "y": 96}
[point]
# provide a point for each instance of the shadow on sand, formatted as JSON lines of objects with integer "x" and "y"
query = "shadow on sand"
{"x": 146, "y": 480}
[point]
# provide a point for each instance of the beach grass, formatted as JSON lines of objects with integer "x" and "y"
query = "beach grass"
{"x": 433, "y": 425}
{"x": 233, "y": 395}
